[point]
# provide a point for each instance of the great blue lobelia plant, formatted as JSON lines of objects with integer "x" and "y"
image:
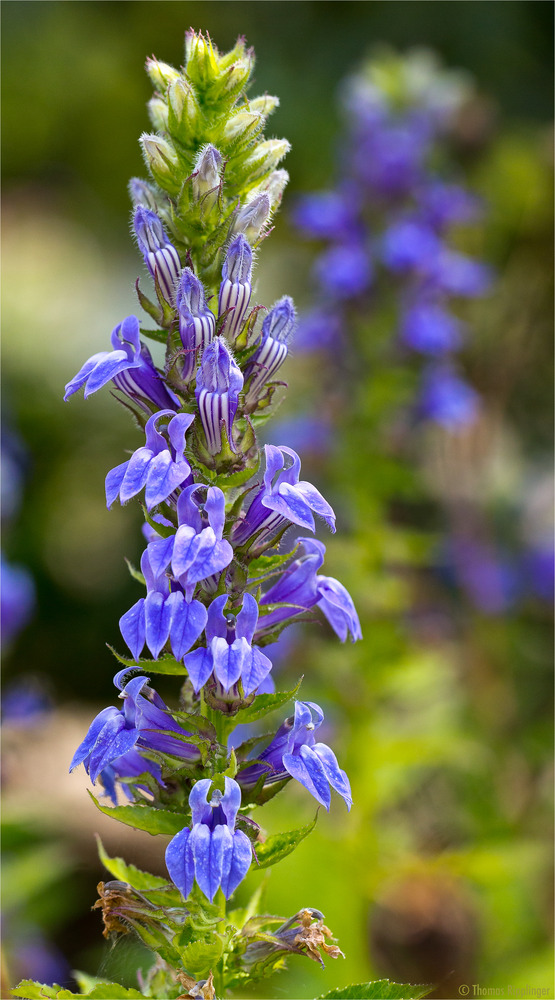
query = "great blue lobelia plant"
{"x": 221, "y": 582}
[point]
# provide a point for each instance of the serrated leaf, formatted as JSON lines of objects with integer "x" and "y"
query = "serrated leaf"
{"x": 278, "y": 846}
{"x": 200, "y": 957}
{"x": 167, "y": 664}
{"x": 144, "y": 818}
{"x": 265, "y": 564}
{"x": 137, "y": 879}
{"x": 235, "y": 479}
{"x": 380, "y": 989}
{"x": 265, "y": 703}
{"x": 30, "y": 990}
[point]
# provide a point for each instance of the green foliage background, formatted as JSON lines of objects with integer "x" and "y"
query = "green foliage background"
{"x": 445, "y": 734}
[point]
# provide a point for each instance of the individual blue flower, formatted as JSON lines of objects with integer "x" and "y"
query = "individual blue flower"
{"x": 17, "y": 600}
{"x": 320, "y": 330}
{"x": 344, "y": 271}
{"x": 196, "y": 321}
{"x": 160, "y": 255}
{"x": 447, "y": 399}
{"x": 272, "y": 349}
{"x": 129, "y": 365}
{"x": 326, "y": 215}
{"x": 219, "y": 381}
{"x": 409, "y": 245}
{"x": 159, "y": 467}
{"x": 197, "y": 550}
{"x": 294, "y": 751}
{"x": 165, "y": 614}
{"x": 389, "y": 156}
{"x": 229, "y": 653}
{"x": 211, "y": 850}
{"x": 302, "y": 587}
{"x": 429, "y": 328}
{"x": 282, "y": 499}
{"x": 444, "y": 204}
{"x": 236, "y": 288}
{"x": 454, "y": 273}
{"x": 142, "y": 723}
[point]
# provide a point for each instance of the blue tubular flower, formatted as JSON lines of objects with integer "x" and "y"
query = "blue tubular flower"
{"x": 409, "y": 245}
{"x": 196, "y": 321}
{"x": 344, "y": 271}
{"x": 219, "y": 381}
{"x": 456, "y": 274}
{"x": 160, "y": 256}
{"x": 235, "y": 289}
{"x": 446, "y": 399}
{"x": 302, "y": 586}
{"x": 131, "y": 765}
{"x": 444, "y": 204}
{"x": 131, "y": 369}
{"x": 271, "y": 352}
{"x": 211, "y": 851}
{"x": 429, "y": 328}
{"x": 229, "y": 655}
{"x": 164, "y": 614}
{"x": 325, "y": 215}
{"x": 159, "y": 466}
{"x": 294, "y": 751}
{"x": 114, "y": 733}
{"x": 282, "y": 499}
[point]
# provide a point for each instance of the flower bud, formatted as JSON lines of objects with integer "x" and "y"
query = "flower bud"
{"x": 238, "y": 74}
{"x": 252, "y": 218}
{"x": 158, "y": 113}
{"x": 161, "y": 74}
{"x": 201, "y": 59}
{"x": 183, "y": 108}
{"x": 277, "y": 330}
{"x": 235, "y": 289}
{"x": 161, "y": 159}
{"x": 242, "y": 125}
{"x": 219, "y": 381}
{"x": 142, "y": 193}
{"x": 196, "y": 322}
{"x": 274, "y": 186}
{"x": 160, "y": 256}
{"x": 206, "y": 176}
{"x": 264, "y": 105}
{"x": 265, "y": 157}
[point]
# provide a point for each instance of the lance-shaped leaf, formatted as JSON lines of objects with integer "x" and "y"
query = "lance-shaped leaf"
{"x": 278, "y": 846}
{"x": 144, "y": 817}
{"x": 380, "y": 989}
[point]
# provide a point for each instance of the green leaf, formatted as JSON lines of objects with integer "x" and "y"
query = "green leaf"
{"x": 380, "y": 989}
{"x": 160, "y": 335}
{"x": 263, "y": 564}
{"x": 200, "y": 957}
{"x": 134, "y": 572}
{"x": 144, "y": 817}
{"x": 280, "y": 845}
{"x": 265, "y": 703}
{"x": 235, "y": 479}
{"x": 101, "y": 990}
{"x": 30, "y": 990}
{"x": 167, "y": 664}
{"x": 143, "y": 881}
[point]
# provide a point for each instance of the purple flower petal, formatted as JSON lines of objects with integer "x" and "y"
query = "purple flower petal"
{"x": 179, "y": 862}
{"x": 199, "y": 665}
{"x": 256, "y": 667}
{"x": 157, "y": 622}
{"x": 240, "y": 863}
{"x": 114, "y": 480}
{"x": 186, "y": 624}
{"x": 336, "y": 777}
{"x": 307, "y": 768}
{"x": 132, "y": 628}
{"x": 228, "y": 660}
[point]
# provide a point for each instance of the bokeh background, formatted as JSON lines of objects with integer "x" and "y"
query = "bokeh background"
{"x": 442, "y": 716}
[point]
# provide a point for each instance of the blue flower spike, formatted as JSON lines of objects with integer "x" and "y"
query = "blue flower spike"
{"x": 210, "y": 851}
{"x": 272, "y": 350}
{"x": 197, "y": 323}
